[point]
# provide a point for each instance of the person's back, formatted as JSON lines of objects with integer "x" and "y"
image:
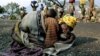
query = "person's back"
{"x": 51, "y": 28}
{"x": 32, "y": 25}
{"x": 22, "y": 42}
{"x": 30, "y": 21}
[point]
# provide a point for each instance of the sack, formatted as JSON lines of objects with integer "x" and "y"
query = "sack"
{"x": 71, "y": 1}
{"x": 82, "y": 1}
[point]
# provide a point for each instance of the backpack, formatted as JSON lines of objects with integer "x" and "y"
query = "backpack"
{"x": 71, "y": 1}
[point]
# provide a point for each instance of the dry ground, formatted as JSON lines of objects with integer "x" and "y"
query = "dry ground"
{"x": 87, "y": 42}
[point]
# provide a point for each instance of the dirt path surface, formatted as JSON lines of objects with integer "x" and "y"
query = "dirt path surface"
{"x": 87, "y": 42}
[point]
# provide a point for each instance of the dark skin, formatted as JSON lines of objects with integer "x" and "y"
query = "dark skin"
{"x": 69, "y": 37}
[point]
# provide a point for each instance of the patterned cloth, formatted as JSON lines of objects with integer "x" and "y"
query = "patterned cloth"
{"x": 51, "y": 31}
{"x": 20, "y": 50}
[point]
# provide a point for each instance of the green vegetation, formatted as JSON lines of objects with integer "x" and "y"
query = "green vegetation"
{"x": 2, "y": 10}
{"x": 13, "y": 9}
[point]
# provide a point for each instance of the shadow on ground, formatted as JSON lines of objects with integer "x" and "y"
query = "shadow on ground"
{"x": 83, "y": 40}
{"x": 5, "y": 39}
{"x": 75, "y": 51}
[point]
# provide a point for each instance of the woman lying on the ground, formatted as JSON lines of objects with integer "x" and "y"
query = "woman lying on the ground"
{"x": 66, "y": 39}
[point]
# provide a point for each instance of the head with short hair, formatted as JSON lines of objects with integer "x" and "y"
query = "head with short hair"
{"x": 65, "y": 27}
{"x": 51, "y": 13}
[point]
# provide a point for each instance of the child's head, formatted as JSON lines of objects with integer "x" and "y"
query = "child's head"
{"x": 51, "y": 13}
{"x": 64, "y": 27}
{"x": 70, "y": 21}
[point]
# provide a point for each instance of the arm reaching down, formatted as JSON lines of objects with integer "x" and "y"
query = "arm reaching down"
{"x": 70, "y": 39}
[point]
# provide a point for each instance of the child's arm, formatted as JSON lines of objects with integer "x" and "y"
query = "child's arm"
{"x": 71, "y": 39}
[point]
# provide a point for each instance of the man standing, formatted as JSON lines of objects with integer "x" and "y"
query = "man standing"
{"x": 82, "y": 7}
{"x": 71, "y": 7}
{"x": 91, "y": 7}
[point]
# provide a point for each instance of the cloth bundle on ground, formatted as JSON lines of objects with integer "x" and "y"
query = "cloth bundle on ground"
{"x": 20, "y": 50}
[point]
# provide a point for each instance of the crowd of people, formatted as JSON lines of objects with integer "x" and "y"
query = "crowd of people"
{"x": 43, "y": 32}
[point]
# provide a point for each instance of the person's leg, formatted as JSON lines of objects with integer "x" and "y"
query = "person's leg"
{"x": 91, "y": 6}
{"x": 81, "y": 6}
{"x": 71, "y": 9}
